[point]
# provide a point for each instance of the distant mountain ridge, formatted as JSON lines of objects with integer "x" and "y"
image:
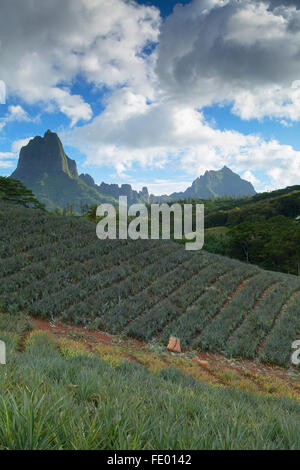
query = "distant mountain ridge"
{"x": 114, "y": 190}
{"x": 45, "y": 168}
{"x": 214, "y": 184}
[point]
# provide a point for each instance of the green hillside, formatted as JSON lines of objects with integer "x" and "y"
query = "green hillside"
{"x": 61, "y": 190}
{"x": 257, "y": 208}
{"x": 55, "y": 267}
{"x": 263, "y": 229}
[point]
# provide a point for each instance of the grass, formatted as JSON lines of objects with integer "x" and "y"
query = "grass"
{"x": 51, "y": 399}
{"x": 56, "y": 393}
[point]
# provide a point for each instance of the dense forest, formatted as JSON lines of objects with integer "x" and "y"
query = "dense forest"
{"x": 262, "y": 230}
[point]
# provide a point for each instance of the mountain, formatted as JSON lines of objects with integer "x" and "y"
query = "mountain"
{"x": 44, "y": 155}
{"x": 114, "y": 190}
{"x": 214, "y": 184}
{"x": 45, "y": 168}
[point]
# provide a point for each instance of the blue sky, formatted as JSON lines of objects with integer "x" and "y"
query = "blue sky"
{"x": 148, "y": 94}
{"x": 165, "y": 7}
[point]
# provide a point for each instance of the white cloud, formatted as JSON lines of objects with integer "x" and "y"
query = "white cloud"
{"x": 249, "y": 176}
{"x": 18, "y": 144}
{"x": 160, "y": 187}
{"x": 46, "y": 45}
{"x": 15, "y": 113}
{"x": 210, "y": 52}
{"x": 169, "y": 133}
{"x": 280, "y": 162}
{"x": 8, "y": 159}
{"x": 285, "y": 123}
{"x": 244, "y": 53}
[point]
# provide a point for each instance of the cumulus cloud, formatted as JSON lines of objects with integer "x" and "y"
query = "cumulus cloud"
{"x": 172, "y": 134}
{"x": 152, "y": 135}
{"x": 210, "y": 51}
{"x": 242, "y": 53}
{"x": 8, "y": 159}
{"x": 281, "y": 162}
{"x": 249, "y": 176}
{"x": 245, "y": 53}
{"x": 45, "y": 46}
{"x": 15, "y": 113}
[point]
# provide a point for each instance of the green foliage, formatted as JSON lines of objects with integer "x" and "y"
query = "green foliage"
{"x": 14, "y": 191}
{"x": 61, "y": 190}
{"x": 219, "y": 243}
{"x": 54, "y": 267}
{"x": 49, "y": 402}
{"x": 217, "y": 334}
{"x": 18, "y": 323}
{"x": 260, "y": 207}
{"x": 272, "y": 244}
{"x": 279, "y": 345}
{"x": 263, "y": 228}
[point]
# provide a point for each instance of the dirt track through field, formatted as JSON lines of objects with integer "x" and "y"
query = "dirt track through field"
{"x": 212, "y": 368}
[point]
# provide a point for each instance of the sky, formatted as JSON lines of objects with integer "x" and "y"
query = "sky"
{"x": 155, "y": 92}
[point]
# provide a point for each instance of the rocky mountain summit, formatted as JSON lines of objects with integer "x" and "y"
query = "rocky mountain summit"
{"x": 45, "y": 168}
{"x": 214, "y": 184}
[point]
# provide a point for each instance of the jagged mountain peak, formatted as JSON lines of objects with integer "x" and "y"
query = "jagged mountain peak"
{"x": 212, "y": 184}
{"x": 45, "y": 168}
{"x": 44, "y": 155}
{"x": 220, "y": 183}
{"x": 51, "y": 135}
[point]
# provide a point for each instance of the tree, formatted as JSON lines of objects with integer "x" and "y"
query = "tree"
{"x": 272, "y": 244}
{"x": 241, "y": 237}
{"x": 13, "y": 191}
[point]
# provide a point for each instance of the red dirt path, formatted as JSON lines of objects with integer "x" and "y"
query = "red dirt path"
{"x": 215, "y": 361}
